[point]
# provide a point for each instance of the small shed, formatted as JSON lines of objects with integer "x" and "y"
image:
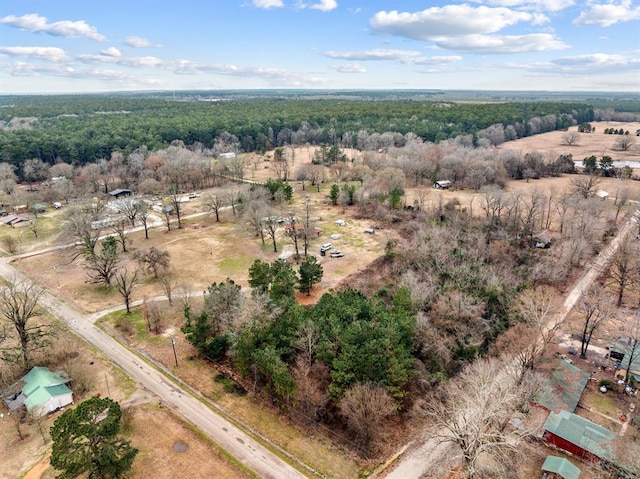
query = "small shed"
{"x": 442, "y": 184}
{"x": 39, "y": 208}
{"x": 578, "y": 435}
{"x": 120, "y": 193}
{"x": 555, "y": 467}
{"x": 14, "y": 220}
{"x": 40, "y": 391}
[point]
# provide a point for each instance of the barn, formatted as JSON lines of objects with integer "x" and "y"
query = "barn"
{"x": 579, "y": 436}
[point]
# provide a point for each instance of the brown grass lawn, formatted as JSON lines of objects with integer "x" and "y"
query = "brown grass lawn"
{"x": 597, "y": 143}
{"x": 204, "y": 251}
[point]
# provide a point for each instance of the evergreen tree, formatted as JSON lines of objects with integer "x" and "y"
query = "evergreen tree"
{"x": 86, "y": 441}
{"x": 310, "y": 274}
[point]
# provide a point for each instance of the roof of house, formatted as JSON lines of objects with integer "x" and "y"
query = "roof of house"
{"x": 561, "y": 466}
{"x": 566, "y": 384}
{"x": 40, "y": 384}
{"x": 635, "y": 361}
{"x": 120, "y": 191}
{"x": 581, "y": 432}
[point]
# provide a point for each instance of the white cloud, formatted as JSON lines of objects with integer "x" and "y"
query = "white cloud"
{"x": 499, "y": 44}
{"x": 607, "y": 14}
{"x": 109, "y": 56}
{"x": 23, "y": 69}
{"x": 52, "y": 54}
{"x": 137, "y": 42}
{"x": 373, "y": 55}
{"x": 402, "y": 56}
{"x": 325, "y": 5}
{"x": 33, "y": 22}
{"x": 322, "y": 5}
{"x": 348, "y": 68}
{"x": 450, "y": 20}
{"x": 601, "y": 62}
{"x": 267, "y": 3}
{"x": 536, "y": 5}
{"x": 582, "y": 65}
{"x": 111, "y": 52}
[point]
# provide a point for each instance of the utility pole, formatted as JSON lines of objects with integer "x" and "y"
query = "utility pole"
{"x": 173, "y": 344}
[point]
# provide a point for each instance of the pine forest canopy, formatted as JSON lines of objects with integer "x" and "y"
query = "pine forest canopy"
{"x": 84, "y": 128}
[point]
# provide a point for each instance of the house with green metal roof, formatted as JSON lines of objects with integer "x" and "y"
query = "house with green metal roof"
{"x": 41, "y": 391}
{"x": 559, "y": 468}
{"x": 579, "y": 436}
{"x": 566, "y": 385}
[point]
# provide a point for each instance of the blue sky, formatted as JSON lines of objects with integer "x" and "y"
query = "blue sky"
{"x": 52, "y": 46}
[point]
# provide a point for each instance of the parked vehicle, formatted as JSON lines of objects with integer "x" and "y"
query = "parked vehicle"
{"x": 325, "y": 247}
{"x": 336, "y": 253}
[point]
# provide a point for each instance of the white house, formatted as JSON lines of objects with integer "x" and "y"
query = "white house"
{"x": 442, "y": 184}
{"x": 40, "y": 391}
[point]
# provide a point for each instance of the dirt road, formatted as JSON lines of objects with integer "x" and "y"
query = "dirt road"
{"x": 244, "y": 448}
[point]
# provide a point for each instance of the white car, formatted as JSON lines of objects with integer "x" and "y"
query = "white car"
{"x": 336, "y": 253}
{"x": 325, "y": 247}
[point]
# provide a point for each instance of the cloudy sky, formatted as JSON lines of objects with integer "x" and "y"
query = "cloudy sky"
{"x": 51, "y": 46}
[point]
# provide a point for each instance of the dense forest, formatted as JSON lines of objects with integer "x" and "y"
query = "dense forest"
{"x": 84, "y": 129}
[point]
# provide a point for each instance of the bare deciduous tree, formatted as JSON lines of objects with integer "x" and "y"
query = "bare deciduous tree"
{"x": 622, "y": 270}
{"x": 366, "y": 407}
{"x": 624, "y": 142}
{"x": 473, "y": 412}
{"x": 571, "y": 138}
{"x": 143, "y": 216}
{"x": 153, "y": 259}
{"x": 594, "y": 308}
{"x": 271, "y": 226}
{"x": 529, "y": 339}
{"x": 214, "y": 202}
{"x": 125, "y": 282}
{"x": 18, "y": 306}
{"x": 585, "y": 186}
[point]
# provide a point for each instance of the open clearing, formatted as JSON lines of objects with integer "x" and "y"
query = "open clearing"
{"x": 597, "y": 143}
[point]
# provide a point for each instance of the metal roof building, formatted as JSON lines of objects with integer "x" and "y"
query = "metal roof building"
{"x": 578, "y": 436}
{"x": 561, "y": 467}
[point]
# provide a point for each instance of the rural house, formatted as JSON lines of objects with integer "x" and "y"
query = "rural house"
{"x": 120, "y": 193}
{"x": 442, "y": 184}
{"x": 566, "y": 384}
{"x": 578, "y": 435}
{"x": 40, "y": 391}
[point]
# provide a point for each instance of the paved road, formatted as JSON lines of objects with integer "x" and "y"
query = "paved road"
{"x": 417, "y": 461}
{"x": 245, "y": 449}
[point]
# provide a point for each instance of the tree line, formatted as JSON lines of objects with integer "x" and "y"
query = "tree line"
{"x": 80, "y": 130}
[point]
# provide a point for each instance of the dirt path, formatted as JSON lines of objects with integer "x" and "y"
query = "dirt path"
{"x": 417, "y": 461}
{"x": 39, "y": 469}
